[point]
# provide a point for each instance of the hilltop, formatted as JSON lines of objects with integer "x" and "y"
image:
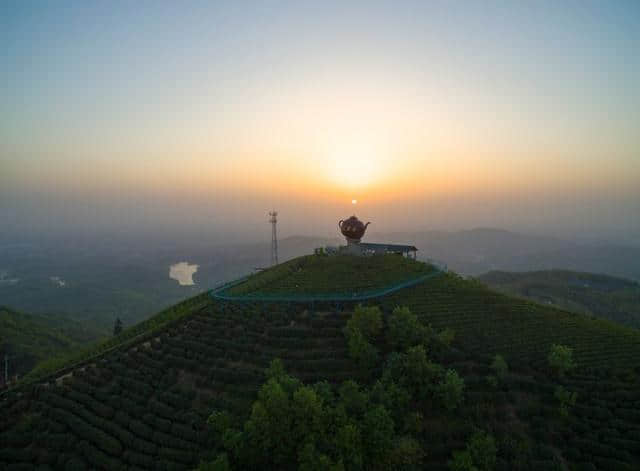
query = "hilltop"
{"x": 343, "y": 274}
{"x": 145, "y": 401}
{"x": 598, "y": 295}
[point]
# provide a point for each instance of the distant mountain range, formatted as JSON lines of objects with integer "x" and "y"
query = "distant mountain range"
{"x": 476, "y": 251}
{"x": 108, "y": 278}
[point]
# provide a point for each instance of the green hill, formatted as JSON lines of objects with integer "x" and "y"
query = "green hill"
{"x": 143, "y": 401}
{"x": 342, "y": 274}
{"x": 28, "y": 339}
{"x": 603, "y": 296}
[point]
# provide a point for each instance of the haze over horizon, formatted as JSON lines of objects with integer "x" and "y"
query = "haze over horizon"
{"x": 199, "y": 118}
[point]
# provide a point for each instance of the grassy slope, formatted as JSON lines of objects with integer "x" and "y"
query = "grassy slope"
{"x": 29, "y": 339}
{"x": 146, "y": 404}
{"x": 604, "y": 296}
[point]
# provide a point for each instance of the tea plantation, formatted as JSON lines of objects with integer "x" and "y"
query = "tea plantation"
{"x": 146, "y": 401}
{"x": 342, "y": 274}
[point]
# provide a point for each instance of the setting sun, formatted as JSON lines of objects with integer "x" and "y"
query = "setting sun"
{"x": 357, "y": 162}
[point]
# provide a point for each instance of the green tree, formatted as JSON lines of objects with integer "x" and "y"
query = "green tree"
{"x": 451, "y": 389}
{"x": 462, "y": 462}
{"x": 221, "y": 463}
{"x": 219, "y": 421}
{"x": 310, "y": 459}
{"x": 269, "y": 426}
{"x": 366, "y": 320}
{"x": 324, "y": 392}
{"x": 566, "y": 398}
{"x": 482, "y": 448}
{"x": 360, "y": 350}
{"x": 117, "y": 327}
{"x": 406, "y": 454}
{"x": 378, "y": 429}
{"x": 277, "y": 372}
{"x": 353, "y": 398}
{"x": 392, "y": 396}
{"x": 414, "y": 423}
{"x": 419, "y": 373}
{"x": 446, "y": 336}
{"x": 348, "y": 442}
{"x": 561, "y": 359}
{"x": 405, "y": 330}
{"x": 307, "y": 414}
{"x": 479, "y": 455}
{"x": 500, "y": 367}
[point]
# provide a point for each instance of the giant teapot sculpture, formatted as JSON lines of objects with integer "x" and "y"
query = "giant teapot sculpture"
{"x": 353, "y": 228}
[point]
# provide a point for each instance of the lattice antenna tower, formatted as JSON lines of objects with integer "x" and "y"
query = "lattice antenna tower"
{"x": 273, "y": 219}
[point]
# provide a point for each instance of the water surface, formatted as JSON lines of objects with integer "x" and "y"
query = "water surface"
{"x": 183, "y": 273}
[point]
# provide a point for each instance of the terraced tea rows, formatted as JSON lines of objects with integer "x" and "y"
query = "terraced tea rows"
{"x": 487, "y": 322}
{"x": 144, "y": 404}
{"x": 338, "y": 274}
{"x": 605, "y": 426}
{"x": 147, "y": 406}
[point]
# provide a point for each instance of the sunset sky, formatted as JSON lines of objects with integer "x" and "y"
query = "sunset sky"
{"x": 522, "y": 115}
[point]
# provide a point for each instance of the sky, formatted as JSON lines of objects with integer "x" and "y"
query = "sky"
{"x": 180, "y": 116}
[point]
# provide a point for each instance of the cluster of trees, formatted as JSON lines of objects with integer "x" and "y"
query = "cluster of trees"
{"x": 408, "y": 365}
{"x": 479, "y": 454}
{"x": 316, "y": 427}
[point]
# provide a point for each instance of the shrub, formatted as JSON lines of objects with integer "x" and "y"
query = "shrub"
{"x": 500, "y": 367}
{"x": 566, "y": 399}
{"x": 450, "y": 389}
{"x": 366, "y": 320}
{"x": 560, "y": 359}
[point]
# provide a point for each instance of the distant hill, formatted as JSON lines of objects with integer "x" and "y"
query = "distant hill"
{"x": 477, "y": 251}
{"x": 28, "y": 339}
{"x": 142, "y": 399}
{"x": 96, "y": 280}
{"x": 604, "y": 296}
{"x": 108, "y": 279}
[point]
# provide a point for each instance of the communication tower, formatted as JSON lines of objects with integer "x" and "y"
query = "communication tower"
{"x": 274, "y": 237}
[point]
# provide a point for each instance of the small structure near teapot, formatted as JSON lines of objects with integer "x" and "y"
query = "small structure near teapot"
{"x": 353, "y": 230}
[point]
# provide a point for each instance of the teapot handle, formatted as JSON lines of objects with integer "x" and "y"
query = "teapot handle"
{"x": 340, "y": 224}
